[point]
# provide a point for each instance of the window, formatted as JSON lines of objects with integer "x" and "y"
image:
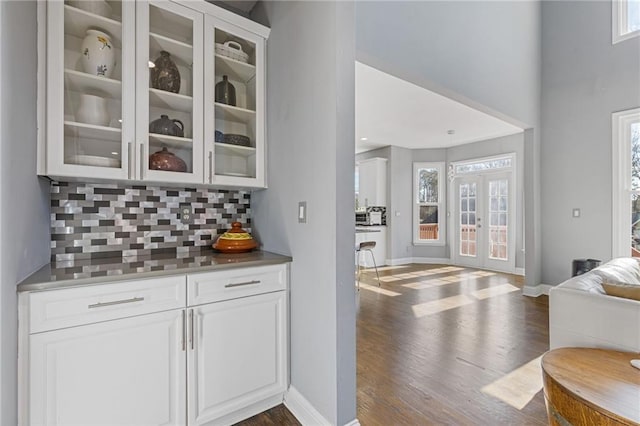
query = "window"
{"x": 626, "y": 19}
{"x": 626, "y": 183}
{"x": 428, "y": 213}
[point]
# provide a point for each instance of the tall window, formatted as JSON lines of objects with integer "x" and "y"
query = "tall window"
{"x": 428, "y": 212}
{"x": 625, "y": 19}
{"x": 626, "y": 183}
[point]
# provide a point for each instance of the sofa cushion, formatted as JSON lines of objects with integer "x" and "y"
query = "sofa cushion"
{"x": 589, "y": 282}
{"x": 618, "y": 289}
{"x": 621, "y": 270}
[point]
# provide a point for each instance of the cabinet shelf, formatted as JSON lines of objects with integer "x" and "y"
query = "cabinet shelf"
{"x": 78, "y": 21}
{"x": 90, "y": 131}
{"x": 172, "y": 101}
{"x": 170, "y": 141}
{"x": 87, "y": 83}
{"x": 236, "y": 70}
{"x": 179, "y": 50}
{"x": 232, "y": 113}
{"x": 242, "y": 151}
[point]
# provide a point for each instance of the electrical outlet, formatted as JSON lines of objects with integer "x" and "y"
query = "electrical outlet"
{"x": 186, "y": 213}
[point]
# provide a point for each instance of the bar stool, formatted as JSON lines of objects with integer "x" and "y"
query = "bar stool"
{"x": 366, "y": 246}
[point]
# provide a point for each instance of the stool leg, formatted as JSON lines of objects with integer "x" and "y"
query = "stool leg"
{"x": 375, "y": 266}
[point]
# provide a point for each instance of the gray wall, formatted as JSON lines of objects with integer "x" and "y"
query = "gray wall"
{"x": 24, "y": 209}
{"x": 311, "y": 158}
{"x": 482, "y": 53}
{"x": 585, "y": 79}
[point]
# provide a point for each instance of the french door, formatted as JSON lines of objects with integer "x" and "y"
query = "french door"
{"x": 483, "y": 224}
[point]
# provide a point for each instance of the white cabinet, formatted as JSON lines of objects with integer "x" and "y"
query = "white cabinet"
{"x": 372, "y": 189}
{"x": 98, "y": 122}
{"x": 379, "y": 235}
{"x": 239, "y": 357}
{"x": 124, "y": 372}
{"x": 145, "y": 353}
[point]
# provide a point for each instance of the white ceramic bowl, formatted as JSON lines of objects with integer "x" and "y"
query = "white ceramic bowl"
{"x": 92, "y": 160}
{"x": 97, "y": 7}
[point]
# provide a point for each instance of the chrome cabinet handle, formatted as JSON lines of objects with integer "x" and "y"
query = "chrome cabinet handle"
{"x": 192, "y": 337}
{"x": 116, "y": 302}
{"x": 230, "y": 285}
{"x": 184, "y": 329}
{"x": 210, "y": 166}
{"x": 141, "y": 161}
{"x": 131, "y": 160}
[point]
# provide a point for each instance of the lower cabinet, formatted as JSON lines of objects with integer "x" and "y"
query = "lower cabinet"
{"x": 123, "y": 372}
{"x": 239, "y": 356}
{"x": 214, "y": 363}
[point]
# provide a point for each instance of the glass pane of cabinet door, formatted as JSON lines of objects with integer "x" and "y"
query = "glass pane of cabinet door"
{"x": 90, "y": 102}
{"x": 169, "y": 92}
{"x": 234, "y": 104}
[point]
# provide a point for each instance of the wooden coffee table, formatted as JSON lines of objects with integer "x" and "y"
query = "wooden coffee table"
{"x": 584, "y": 386}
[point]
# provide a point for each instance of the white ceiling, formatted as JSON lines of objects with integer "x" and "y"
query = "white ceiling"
{"x": 391, "y": 111}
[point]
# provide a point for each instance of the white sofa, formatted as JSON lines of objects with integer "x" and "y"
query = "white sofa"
{"x": 581, "y": 314}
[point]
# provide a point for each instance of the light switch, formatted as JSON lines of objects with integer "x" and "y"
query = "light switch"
{"x": 576, "y": 212}
{"x": 302, "y": 212}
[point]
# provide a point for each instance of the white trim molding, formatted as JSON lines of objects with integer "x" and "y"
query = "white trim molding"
{"x": 619, "y": 22}
{"x": 536, "y": 291}
{"x": 519, "y": 271}
{"x": 303, "y": 410}
{"x": 621, "y": 180}
{"x": 421, "y": 260}
{"x": 353, "y": 422}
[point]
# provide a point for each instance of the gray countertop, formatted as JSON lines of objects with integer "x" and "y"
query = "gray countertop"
{"x": 98, "y": 271}
{"x": 369, "y": 228}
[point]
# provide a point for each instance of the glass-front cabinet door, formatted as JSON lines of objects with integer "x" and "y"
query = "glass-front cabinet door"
{"x": 169, "y": 128}
{"x": 90, "y": 102}
{"x": 234, "y": 105}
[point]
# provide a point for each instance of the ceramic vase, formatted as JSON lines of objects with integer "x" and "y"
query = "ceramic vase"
{"x": 93, "y": 110}
{"x": 98, "y": 56}
{"x": 165, "y": 75}
{"x": 225, "y": 92}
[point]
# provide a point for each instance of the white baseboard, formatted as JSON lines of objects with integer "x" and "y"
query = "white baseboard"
{"x": 519, "y": 271}
{"x": 422, "y": 260}
{"x": 536, "y": 291}
{"x": 353, "y": 422}
{"x": 303, "y": 410}
{"x": 432, "y": 260}
{"x": 399, "y": 261}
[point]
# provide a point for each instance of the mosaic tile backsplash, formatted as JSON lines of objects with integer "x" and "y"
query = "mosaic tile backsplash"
{"x": 92, "y": 221}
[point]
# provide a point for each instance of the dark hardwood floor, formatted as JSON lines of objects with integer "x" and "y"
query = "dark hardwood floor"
{"x": 445, "y": 345}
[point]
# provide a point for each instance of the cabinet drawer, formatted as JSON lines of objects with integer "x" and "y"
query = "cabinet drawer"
{"x": 55, "y": 309}
{"x": 224, "y": 285}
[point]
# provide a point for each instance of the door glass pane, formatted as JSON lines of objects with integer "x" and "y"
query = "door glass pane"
{"x": 235, "y": 105}
{"x": 635, "y": 156}
{"x": 170, "y": 91}
{"x": 93, "y": 83}
{"x": 467, "y": 220}
{"x": 498, "y": 212}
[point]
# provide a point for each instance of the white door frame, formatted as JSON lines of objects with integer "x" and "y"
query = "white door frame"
{"x": 482, "y": 177}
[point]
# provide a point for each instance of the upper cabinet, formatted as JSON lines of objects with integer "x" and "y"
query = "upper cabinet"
{"x": 373, "y": 182}
{"x": 153, "y": 91}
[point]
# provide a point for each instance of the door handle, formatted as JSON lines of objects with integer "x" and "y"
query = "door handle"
{"x": 210, "y": 166}
{"x": 191, "y": 337}
{"x": 184, "y": 329}
{"x": 130, "y": 160}
{"x": 141, "y": 161}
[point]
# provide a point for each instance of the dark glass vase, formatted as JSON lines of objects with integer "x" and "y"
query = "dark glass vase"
{"x": 165, "y": 75}
{"x": 225, "y": 92}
